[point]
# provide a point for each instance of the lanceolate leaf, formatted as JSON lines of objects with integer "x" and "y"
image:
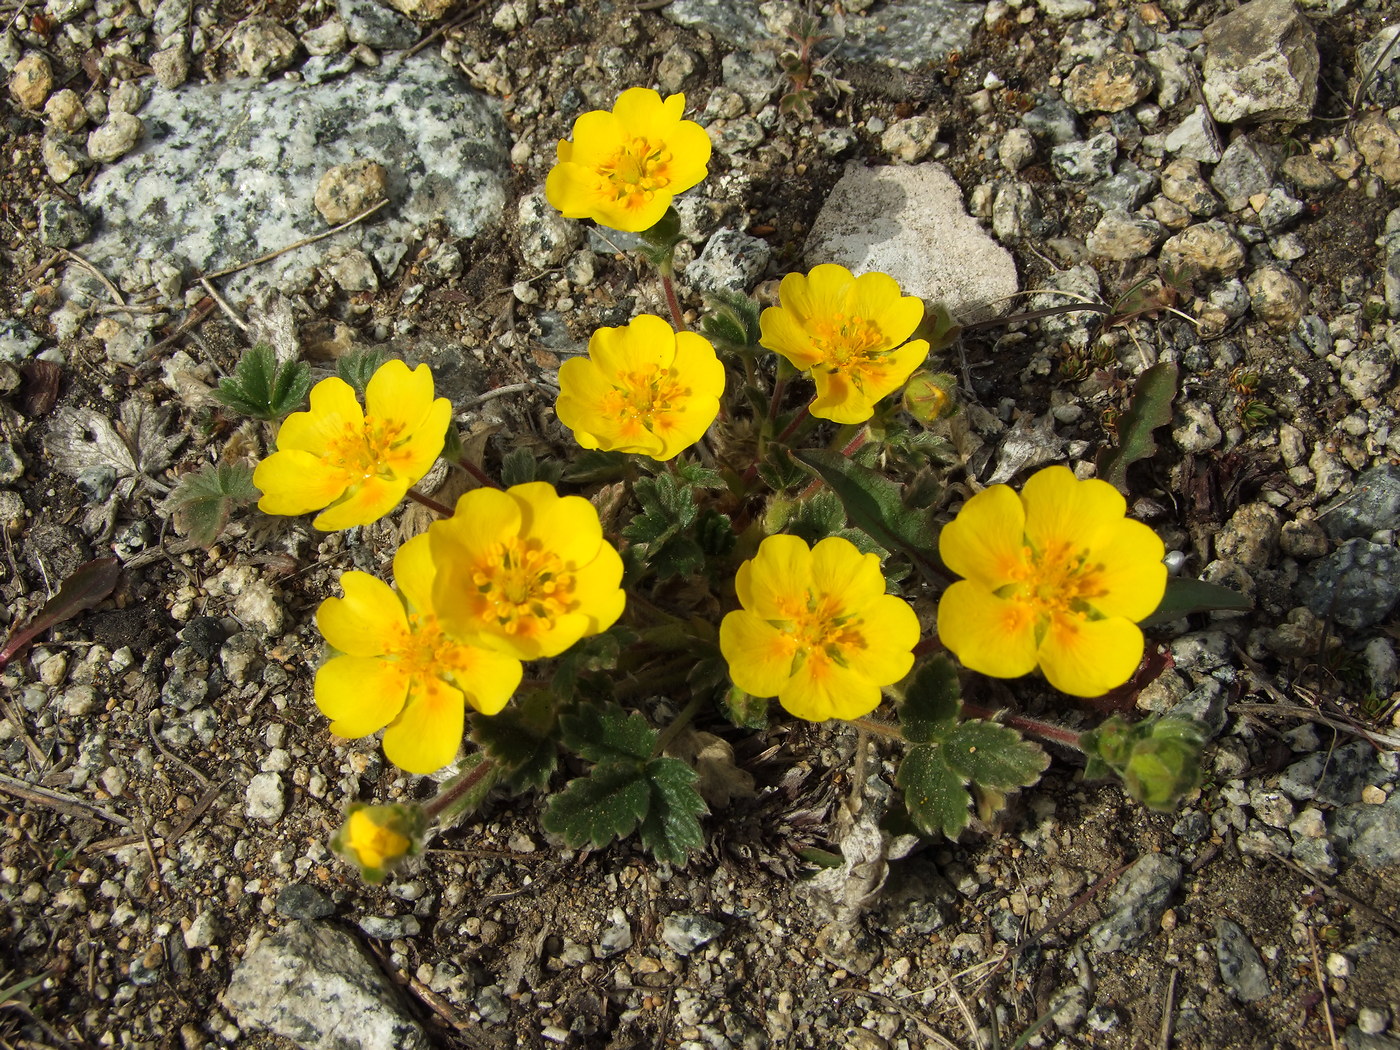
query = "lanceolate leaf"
{"x": 1184, "y": 597}
{"x": 600, "y": 734}
{"x": 671, "y": 827}
{"x": 606, "y": 804}
{"x": 89, "y": 584}
{"x": 1151, "y": 407}
{"x": 931, "y": 703}
{"x": 934, "y": 794}
{"x": 994, "y": 755}
{"x": 874, "y": 503}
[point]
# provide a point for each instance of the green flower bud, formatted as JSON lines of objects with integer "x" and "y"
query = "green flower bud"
{"x": 375, "y": 839}
{"x": 928, "y": 396}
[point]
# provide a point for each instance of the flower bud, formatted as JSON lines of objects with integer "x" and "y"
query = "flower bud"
{"x": 928, "y": 396}
{"x": 376, "y": 838}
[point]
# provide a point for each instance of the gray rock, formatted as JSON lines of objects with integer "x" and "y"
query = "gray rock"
{"x": 301, "y": 901}
{"x": 1315, "y": 855}
{"x": 61, "y": 224}
{"x": 1391, "y": 283}
{"x": 1250, "y": 537}
{"x": 1206, "y": 704}
{"x": 262, "y": 46}
{"x": 315, "y": 985}
{"x": 1370, "y": 834}
{"x": 1245, "y": 168}
{"x": 1334, "y": 778}
{"x": 1373, "y": 504}
{"x": 730, "y": 262}
{"x": 1366, "y": 372}
{"x": 1279, "y": 210}
{"x": 1183, "y": 182}
{"x": 1136, "y": 903}
{"x": 320, "y": 68}
{"x": 1276, "y": 296}
{"x": 265, "y": 799}
{"x": 1261, "y": 63}
{"x": 1357, "y": 584}
{"x": 735, "y": 136}
{"x": 1126, "y": 190}
{"x": 1069, "y": 1007}
{"x": 370, "y": 23}
{"x": 1379, "y": 61}
{"x": 171, "y": 66}
{"x": 546, "y": 237}
{"x": 1196, "y": 429}
{"x": 1382, "y": 666}
{"x": 1016, "y": 150}
{"x": 683, "y": 933}
{"x": 329, "y": 38}
{"x": 1121, "y": 236}
{"x": 886, "y": 218}
{"x": 1207, "y": 248}
{"x": 1241, "y": 968}
{"x": 1017, "y": 213}
{"x": 1052, "y": 120}
{"x": 390, "y": 927}
{"x": 752, "y": 75}
{"x": 228, "y": 170}
{"x": 1378, "y": 141}
{"x": 1084, "y": 161}
{"x": 1195, "y": 138}
{"x": 1358, "y": 1039}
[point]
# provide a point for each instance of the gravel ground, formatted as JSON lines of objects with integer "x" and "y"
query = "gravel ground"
{"x": 168, "y": 786}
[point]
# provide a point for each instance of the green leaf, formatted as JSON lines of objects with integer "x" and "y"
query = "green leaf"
{"x": 87, "y": 587}
{"x": 1158, "y": 759}
{"x": 204, "y": 499}
{"x": 263, "y": 389}
{"x": 1150, "y": 408}
{"x": 671, "y": 827}
{"x": 679, "y": 556}
{"x": 931, "y": 703}
{"x": 1184, "y": 596}
{"x": 598, "y": 653}
{"x": 874, "y": 504}
{"x": 715, "y": 533}
{"x": 744, "y": 710}
{"x": 595, "y": 466}
{"x": 608, "y": 733}
{"x": 606, "y": 804}
{"x": 732, "y": 322}
{"x": 815, "y": 518}
{"x": 358, "y": 366}
{"x": 520, "y": 467}
{"x": 520, "y": 739}
{"x": 934, "y": 794}
{"x": 994, "y": 755}
{"x": 696, "y": 476}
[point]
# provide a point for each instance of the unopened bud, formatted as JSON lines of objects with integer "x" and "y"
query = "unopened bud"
{"x": 376, "y": 838}
{"x": 928, "y": 396}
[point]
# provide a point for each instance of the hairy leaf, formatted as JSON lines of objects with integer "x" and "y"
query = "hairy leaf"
{"x": 520, "y": 739}
{"x": 262, "y": 388}
{"x": 732, "y": 322}
{"x": 88, "y": 585}
{"x": 1150, "y": 408}
{"x": 606, "y": 804}
{"x": 471, "y": 801}
{"x": 358, "y": 366}
{"x": 603, "y": 733}
{"x": 931, "y": 703}
{"x": 874, "y": 504}
{"x": 994, "y": 755}
{"x": 671, "y": 827}
{"x": 934, "y": 794}
{"x": 205, "y": 498}
{"x": 1184, "y": 596}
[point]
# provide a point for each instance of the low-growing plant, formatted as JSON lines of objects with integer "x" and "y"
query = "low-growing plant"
{"x": 754, "y": 516}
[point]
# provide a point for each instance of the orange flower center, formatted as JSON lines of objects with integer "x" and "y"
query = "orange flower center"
{"x": 637, "y": 172}
{"x": 1057, "y": 583}
{"x": 846, "y": 341}
{"x": 522, "y": 587}
{"x": 816, "y": 631}
{"x": 638, "y": 398}
{"x": 368, "y": 450}
{"x": 424, "y": 651}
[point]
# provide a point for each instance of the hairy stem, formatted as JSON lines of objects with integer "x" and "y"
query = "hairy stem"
{"x": 455, "y": 791}
{"x": 432, "y": 504}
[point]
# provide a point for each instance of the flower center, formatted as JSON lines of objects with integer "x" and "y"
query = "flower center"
{"x": 425, "y": 651}
{"x": 637, "y": 171}
{"x": 367, "y": 450}
{"x": 638, "y": 398}
{"x": 522, "y": 587}
{"x": 1057, "y": 582}
{"x": 818, "y": 632}
{"x": 846, "y": 341}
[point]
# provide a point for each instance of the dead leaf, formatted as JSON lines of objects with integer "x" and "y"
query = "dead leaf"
{"x": 1029, "y": 443}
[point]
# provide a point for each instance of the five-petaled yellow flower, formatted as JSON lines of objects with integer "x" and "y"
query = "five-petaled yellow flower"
{"x": 643, "y": 388}
{"x": 1056, "y": 577}
{"x": 817, "y": 628}
{"x": 622, "y": 168}
{"x": 356, "y": 463}
{"x": 399, "y": 668}
{"x": 850, "y": 333}
{"x": 525, "y": 571}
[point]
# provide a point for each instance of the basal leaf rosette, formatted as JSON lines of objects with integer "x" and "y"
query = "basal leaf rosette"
{"x": 399, "y": 671}
{"x": 525, "y": 571}
{"x": 622, "y": 168}
{"x": 1055, "y": 578}
{"x": 643, "y": 388}
{"x": 816, "y": 628}
{"x": 356, "y": 463}
{"x": 850, "y": 333}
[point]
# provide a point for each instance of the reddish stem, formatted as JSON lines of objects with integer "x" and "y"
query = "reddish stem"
{"x": 675, "y": 304}
{"x": 430, "y": 503}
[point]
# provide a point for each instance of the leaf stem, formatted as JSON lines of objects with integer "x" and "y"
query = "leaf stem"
{"x": 479, "y": 475}
{"x": 432, "y": 504}
{"x": 669, "y": 287}
{"x": 687, "y": 715}
{"x": 457, "y": 790}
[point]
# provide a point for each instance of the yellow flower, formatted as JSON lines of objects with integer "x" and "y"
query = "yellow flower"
{"x": 355, "y": 463}
{"x": 376, "y": 838}
{"x": 399, "y": 668}
{"x": 525, "y": 571}
{"x": 622, "y": 168}
{"x": 850, "y": 333}
{"x": 817, "y": 628}
{"x": 643, "y": 388}
{"x": 1056, "y": 577}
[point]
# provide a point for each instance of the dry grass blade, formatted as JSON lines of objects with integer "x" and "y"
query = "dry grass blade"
{"x": 1322, "y": 989}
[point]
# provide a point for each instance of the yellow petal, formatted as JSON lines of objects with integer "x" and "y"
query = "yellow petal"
{"x": 598, "y": 589}
{"x": 334, "y": 409}
{"x": 987, "y": 633}
{"x": 360, "y": 694}
{"x": 780, "y": 330}
{"x": 829, "y": 290}
{"x": 632, "y": 217}
{"x": 296, "y": 482}
{"x": 488, "y": 679}
{"x": 414, "y": 572}
{"x": 412, "y": 458}
{"x": 365, "y": 620}
{"x": 1089, "y": 657}
{"x": 778, "y": 578}
{"x": 698, "y": 365}
{"x": 822, "y": 689}
{"x": 644, "y": 347}
{"x": 397, "y": 393}
{"x": 428, "y": 733}
{"x": 367, "y": 501}
{"x": 566, "y": 525}
{"x": 877, "y": 298}
{"x": 597, "y": 136}
{"x": 1133, "y": 575}
{"x": 839, "y": 399}
{"x": 758, "y": 654}
{"x": 690, "y": 147}
{"x": 985, "y": 542}
{"x": 887, "y": 633}
{"x": 840, "y": 570}
{"x": 641, "y": 112}
{"x": 1061, "y": 510}
{"x": 573, "y": 189}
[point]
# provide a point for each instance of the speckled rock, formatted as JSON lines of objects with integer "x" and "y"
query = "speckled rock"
{"x": 423, "y": 10}
{"x": 117, "y": 137}
{"x": 1195, "y": 429}
{"x": 1110, "y": 84}
{"x": 1372, "y": 504}
{"x": 546, "y": 237}
{"x": 1366, "y": 372}
{"x": 315, "y": 985}
{"x": 262, "y": 46}
{"x": 64, "y": 111}
{"x": 1209, "y": 248}
{"x": 171, "y": 66}
{"x": 31, "y": 81}
{"x": 1276, "y": 296}
{"x": 1082, "y": 162}
{"x": 63, "y": 155}
{"x": 909, "y": 222}
{"x": 1357, "y": 584}
{"x": 1135, "y": 905}
{"x": 730, "y": 262}
{"x": 61, "y": 224}
{"x": 1251, "y": 536}
{"x": 1119, "y": 235}
{"x": 1261, "y": 63}
{"x": 1378, "y": 141}
{"x": 370, "y": 23}
{"x": 910, "y": 141}
{"x": 1246, "y": 168}
{"x": 1183, "y": 182}
{"x": 1241, "y": 968}
{"x": 1370, "y": 833}
{"x": 348, "y": 189}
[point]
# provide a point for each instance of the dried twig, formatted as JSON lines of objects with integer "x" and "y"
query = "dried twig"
{"x": 923, "y": 1026}
{"x": 106, "y": 282}
{"x": 70, "y": 804}
{"x": 296, "y": 244}
{"x": 1164, "y": 1034}
{"x": 223, "y": 304}
{"x": 1322, "y": 989}
{"x": 1386, "y": 920}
